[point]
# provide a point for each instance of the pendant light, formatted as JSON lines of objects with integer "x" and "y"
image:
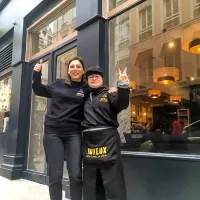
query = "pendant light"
{"x": 132, "y": 86}
{"x": 167, "y": 74}
{"x": 175, "y": 99}
{"x": 154, "y": 94}
{"x": 191, "y": 39}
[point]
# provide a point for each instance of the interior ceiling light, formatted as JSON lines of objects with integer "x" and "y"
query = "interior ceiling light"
{"x": 191, "y": 39}
{"x": 175, "y": 99}
{"x": 132, "y": 85}
{"x": 171, "y": 44}
{"x": 194, "y": 46}
{"x": 166, "y": 75}
{"x": 154, "y": 94}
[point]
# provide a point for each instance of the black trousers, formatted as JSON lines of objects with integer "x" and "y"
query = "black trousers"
{"x": 104, "y": 182}
{"x": 57, "y": 147}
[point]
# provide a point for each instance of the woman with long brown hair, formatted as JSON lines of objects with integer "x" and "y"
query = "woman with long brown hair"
{"x": 62, "y": 126}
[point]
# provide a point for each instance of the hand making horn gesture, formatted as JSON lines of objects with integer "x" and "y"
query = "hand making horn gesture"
{"x": 38, "y": 67}
{"x": 123, "y": 75}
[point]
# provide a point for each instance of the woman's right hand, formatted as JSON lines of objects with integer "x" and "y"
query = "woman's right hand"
{"x": 38, "y": 67}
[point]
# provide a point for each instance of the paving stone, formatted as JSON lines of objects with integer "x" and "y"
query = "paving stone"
{"x": 23, "y": 190}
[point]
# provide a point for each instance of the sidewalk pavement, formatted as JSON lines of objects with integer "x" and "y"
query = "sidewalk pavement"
{"x": 23, "y": 190}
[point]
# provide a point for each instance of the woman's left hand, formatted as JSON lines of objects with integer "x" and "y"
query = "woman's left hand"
{"x": 123, "y": 75}
{"x": 112, "y": 90}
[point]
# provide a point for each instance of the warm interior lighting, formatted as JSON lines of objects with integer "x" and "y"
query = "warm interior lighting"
{"x": 154, "y": 94}
{"x": 133, "y": 112}
{"x": 175, "y": 99}
{"x": 171, "y": 44}
{"x": 144, "y": 114}
{"x": 192, "y": 78}
{"x": 132, "y": 85}
{"x": 166, "y": 75}
{"x": 194, "y": 46}
{"x": 191, "y": 39}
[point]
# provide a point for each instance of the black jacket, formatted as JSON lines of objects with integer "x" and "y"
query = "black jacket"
{"x": 66, "y": 105}
{"x": 101, "y": 108}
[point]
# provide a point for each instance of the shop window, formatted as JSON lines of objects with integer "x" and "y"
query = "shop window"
{"x": 5, "y": 94}
{"x": 36, "y": 158}
{"x": 163, "y": 116}
{"x": 171, "y": 13}
{"x": 53, "y": 30}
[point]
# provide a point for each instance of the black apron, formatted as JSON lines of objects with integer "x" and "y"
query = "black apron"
{"x": 101, "y": 146}
{"x": 103, "y": 175}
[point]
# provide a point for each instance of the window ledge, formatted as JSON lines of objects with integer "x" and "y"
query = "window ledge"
{"x": 162, "y": 156}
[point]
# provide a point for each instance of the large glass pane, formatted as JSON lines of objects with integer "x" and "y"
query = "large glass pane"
{"x": 36, "y": 158}
{"x": 57, "y": 28}
{"x": 62, "y": 60}
{"x": 5, "y": 94}
{"x": 163, "y": 62}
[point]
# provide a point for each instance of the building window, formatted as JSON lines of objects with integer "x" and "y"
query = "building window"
{"x": 53, "y": 30}
{"x": 74, "y": 12}
{"x": 115, "y": 3}
{"x": 163, "y": 116}
{"x": 124, "y": 26}
{"x": 5, "y": 94}
{"x": 171, "y": 8}
{"x": 196, "y": 11}
{"x": 145, "y": 16}
{"x": 171, "y": 13}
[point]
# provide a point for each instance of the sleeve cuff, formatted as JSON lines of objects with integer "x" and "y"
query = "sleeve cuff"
{"x": 122, "y": 84}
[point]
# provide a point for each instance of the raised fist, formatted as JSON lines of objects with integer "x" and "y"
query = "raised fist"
{"x": 38, "y": 67}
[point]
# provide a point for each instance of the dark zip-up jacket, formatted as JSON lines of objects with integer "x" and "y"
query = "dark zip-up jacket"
{"x": 66, "y": 105}
{"x": 101, "y": 108}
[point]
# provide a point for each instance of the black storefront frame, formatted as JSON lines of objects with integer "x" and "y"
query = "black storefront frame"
{"x": 51, "y": 57}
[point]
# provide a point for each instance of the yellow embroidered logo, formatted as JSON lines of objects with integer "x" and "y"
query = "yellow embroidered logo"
{"x": 97, "y": 152}
{"x": 104, "y": 98}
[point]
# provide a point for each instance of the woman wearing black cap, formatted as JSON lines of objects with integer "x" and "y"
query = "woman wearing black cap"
{"x": 101, "y": 140}
{"x": 62, "y": 133}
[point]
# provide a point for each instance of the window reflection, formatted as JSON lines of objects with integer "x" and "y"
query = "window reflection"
{"x": 162, "y": 56}
{"x": 36, "y": 158}
{"x": 59, "y": 27}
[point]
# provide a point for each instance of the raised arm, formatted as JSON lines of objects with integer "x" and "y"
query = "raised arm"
{"x": 39, "y": 88}
{"x": 120, "y": 99}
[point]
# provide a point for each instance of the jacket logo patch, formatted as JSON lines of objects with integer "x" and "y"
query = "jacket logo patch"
{"x": 104, "y": 98}
{"x": 97, "y": 152}
{"x": 80, "y": 93}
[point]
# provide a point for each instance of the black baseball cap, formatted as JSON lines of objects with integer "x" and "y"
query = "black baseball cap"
{"x": 94, "y": 70}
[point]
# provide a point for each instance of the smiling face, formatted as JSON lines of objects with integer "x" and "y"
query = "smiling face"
{"x": 95, "y": 80}
{"x": 75, "y": 71}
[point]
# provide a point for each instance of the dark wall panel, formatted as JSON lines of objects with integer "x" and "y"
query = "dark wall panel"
{"x": 3, "y": 139}
{"x": 164, "y": 178}
{"x": 86, "y": 10}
